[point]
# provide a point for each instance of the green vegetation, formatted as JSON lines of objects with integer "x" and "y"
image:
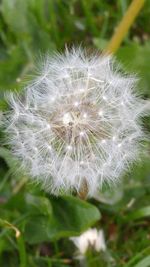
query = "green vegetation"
{"x": 34, "y": 227}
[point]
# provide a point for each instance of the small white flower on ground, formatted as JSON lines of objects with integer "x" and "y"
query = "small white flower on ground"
{"x": 92, "y": 238}
{"x": 77, "y": 123}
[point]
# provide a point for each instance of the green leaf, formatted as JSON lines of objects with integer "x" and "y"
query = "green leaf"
{"x": 144, "y": 263}
{"x": 13, "y": 61}
{"x": 140, "y": 213}
{"x": 15, "y": 17}
{"x": 100, "y": 43}
{"x": 138, "y": 257}
{"x": 38, "y": 205}
{"x": 70, "y": 216}
{"x": 8, "y": 157}
{"x": 134, "y": 56}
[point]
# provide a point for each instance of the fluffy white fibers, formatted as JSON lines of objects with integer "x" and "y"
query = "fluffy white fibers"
{"x": 77, "y": 123}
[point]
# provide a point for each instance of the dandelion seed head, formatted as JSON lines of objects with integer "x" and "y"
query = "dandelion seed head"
{"x": 77, "y": 122}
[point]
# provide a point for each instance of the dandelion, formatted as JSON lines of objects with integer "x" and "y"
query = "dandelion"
{"x": 92, "y": 238}
{"x": 77, "y": 124}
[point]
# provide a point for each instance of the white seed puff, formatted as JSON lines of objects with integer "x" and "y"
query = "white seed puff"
{"x": 76, "y": 123}
{"x": 91, "y": 239}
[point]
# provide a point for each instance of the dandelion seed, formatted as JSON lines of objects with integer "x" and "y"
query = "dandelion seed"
{"x": 85, "y": 115}
{"x": 52, "y": 99}
{"x": 48, "y": 126}
{"x": 69, "y": 147}
{"x": 49, "y": 147}
{"x": 76, "y": 104}
{"x": 114, "y": 138}
{"x": 100, "y": 113}
{"x": 67, "y": 118}
{"x": 82, "y": 133}
{"x": 74, "y": 144}
{"x": 82, "y": 90}
{"x": 119, "y": 145}
{"x": 104, "y": 97}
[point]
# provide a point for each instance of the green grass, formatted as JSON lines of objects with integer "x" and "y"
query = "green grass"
{"x": 27, "y": 30}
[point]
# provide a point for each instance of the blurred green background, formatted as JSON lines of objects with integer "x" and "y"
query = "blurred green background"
{"x": 28, "y": 29}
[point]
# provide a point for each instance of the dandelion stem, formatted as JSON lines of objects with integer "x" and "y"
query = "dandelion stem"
{"x": 124, "y": 26}
{"x": 83, "y": 192}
